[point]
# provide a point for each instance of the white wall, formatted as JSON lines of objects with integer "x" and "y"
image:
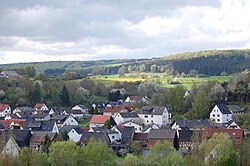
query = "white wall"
{"x": 70, "y": 121}
{"x": 74, "y": 136}
{"x": 218, "y": 117}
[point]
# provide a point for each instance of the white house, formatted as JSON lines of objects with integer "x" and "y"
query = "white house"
{"x": 233, "y": 125}
{"x": 138, "y": 128}
{"x": 10, "y": 147}
{"x": 98, "y": 120}
{"x": 114, "y": 136}
{"x": 10, "y": 73}
{"x": 119, "y": 130}
{"x": 147, "y": 128}
{"x": 4, "y": 110}
{"x": 122, "y": 117}
{"x": 40, "y": 108}
{"x": 221, "y": 114}
{"x": 154, "y": 115}
{"x": 62, "y": 120}
{"x": 75, "y": 134}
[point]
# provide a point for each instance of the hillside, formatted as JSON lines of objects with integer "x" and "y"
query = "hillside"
{"x": 209, "y": 62}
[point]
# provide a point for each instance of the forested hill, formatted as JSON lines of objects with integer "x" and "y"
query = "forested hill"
{"x": 211, "y": 62}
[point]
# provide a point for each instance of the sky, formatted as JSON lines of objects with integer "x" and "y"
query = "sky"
{"x": 57, "y": 30}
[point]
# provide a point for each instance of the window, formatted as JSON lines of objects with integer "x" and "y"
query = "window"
{"x": 113, "y": 137}
{"x": 146, "y": 116}
{"x": 147, "y": 121}
{"x": 213, "y": 115}
{"x": 152, "y": 116}
{"x": 152, "y": 121}
{"x": 218, "y": 115}
{"x": 218, "y": 120}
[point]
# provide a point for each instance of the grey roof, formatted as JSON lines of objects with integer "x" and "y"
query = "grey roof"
{"x": 59, "y": 117}
{"x": 11, "y": 73}
{"x": 40, "y": 115}
{"x": 161, "y": 134}
{"x": 26, "y": 109}
{"x": 128, "y": 131}
{"x": 67, "y": 128}
{"x": 47, "y": 125}
{"x": 129, "y": 115}
{"x": 34, "y": 124}
{"x": 141, "y": 136}
{"x": 86, "y": 136}
{"x": 20, "y": 136}
{"x": 224, "y": 109}
{"x": 152, "y": 110}
{"x": 148, "y": 126}
{"x": 185, "y": 135}
{"x": 99, "y": 129}
{"x": 234, "y": 108}
{"x": 192, "y": 124}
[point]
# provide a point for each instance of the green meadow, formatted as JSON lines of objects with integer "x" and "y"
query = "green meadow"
{"x": 159, "y": 78}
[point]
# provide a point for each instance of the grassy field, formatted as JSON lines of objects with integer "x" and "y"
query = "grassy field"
{"x": 160, "y": 79}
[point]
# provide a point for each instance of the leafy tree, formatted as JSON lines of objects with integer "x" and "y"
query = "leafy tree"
{"x": 38, "y": 159}
{"x": 65, "y": 96}
{"x": 153, "y": 68}
{"x": 142, "y": 68}
{"x": 131, "y": 160}
{"x": 136, "y": 148}
{"x": 37, "y": 93}
{"x": 46, "y": 144}
{"x": 162, "y": 154}
{"x": 98, "y": 154}
{"x": 217, "y": 94}
{"x": 130, "y": 69}
{"x": 122, "y": 71}
{"x": 24, "y": 157}
{"x": 62, "y": 153}
{"x": 245, "y": 152}
{"x": 177, "y": 100}
{"x": 200, "y": 105}
{"x": 8, "y": 160}
{"x": 107, "y": 124}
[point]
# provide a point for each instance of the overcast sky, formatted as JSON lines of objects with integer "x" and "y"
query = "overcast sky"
{"x": 48, "y": 30}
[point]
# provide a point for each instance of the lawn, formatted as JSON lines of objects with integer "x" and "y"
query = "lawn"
{"x": 83, "y": 123}
{"x": 159, "y": 78}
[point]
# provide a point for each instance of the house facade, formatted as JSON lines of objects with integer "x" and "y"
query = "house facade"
{"x": 4, "y": 110}
{"x": 123, "y": 117}
{"x": 154, "y": 115}
{"x": 221, "y": 114}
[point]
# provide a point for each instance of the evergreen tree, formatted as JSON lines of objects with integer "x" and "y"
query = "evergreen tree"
{"x": 65, "y": 96}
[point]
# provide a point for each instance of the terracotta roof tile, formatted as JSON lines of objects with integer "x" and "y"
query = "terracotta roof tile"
{"x": 3, "y": 107}
{"x": 99, "y": 119}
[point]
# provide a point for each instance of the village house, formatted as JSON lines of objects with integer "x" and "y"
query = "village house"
{"x": 98, "y": 136}
{"x": 42, "y": 126}
{"x": 185, "y": 140}
{"x": 154, "y": 115}
{"x": 98, "y": 106}
{"x": 122, "y": 117}
{"x": 41, "y": 108}
{"x": 13, "y": 123}
{"x": 23, "y": 112}
{"x": 233, "y": 125}
{"x": 221, "y": 114}
{"x": 160, "y": 135}
{"x": 147, "y": 128}
{"x": 137, "y": 99}
{"x": 62, "y": 120}
{"x": 38, "y": 139}
{"x": 4, "y": 110}
{"x": 235, "y": 109}
{"x": 9, "y": 74}
{"x": 113, "y": 111}
{"x": 236, "y": 135}
{"x": 99, "y": 120}
{"x": 138, "y": 127}
{"x": 9, "y": 146}
{"x": 193, "y": 124}
{"x": 78, "y": 111}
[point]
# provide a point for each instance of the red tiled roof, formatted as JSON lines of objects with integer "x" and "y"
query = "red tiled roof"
{"x": 99, "y": 119}
{"x": 115, "y": 109}
{"x": 136, "y": 98}
{"x": 235, "y": 134}
{"x": 86, "y": 129}
{"x": 7, "y": 123}
{"x": 3, "y": 107}
{"x": 38, "y": 105}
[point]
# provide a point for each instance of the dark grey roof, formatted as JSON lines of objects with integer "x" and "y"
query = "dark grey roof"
{"x": 59, "y": 117}
{"x": 129, "y": 115}
{"x": 234, "y": 108}
{"x": 185, "y": 135}
{"x": 47, "y": 125}
{"x": 224, "y": 109}
{"x": 79, "y": 130}
{"x": 161, "y": 134}
{"x": 195, "y": 123}
{"x": 99, "y": 129}
{"x": 20, "y": 136}
{"x": 68, "y": 128}
{"x": 40, "y": 115}
{"x": 86, "y": 136}
{"x": 152, "y": 110}
{"x": 34, "y": 124}
{"x": 26, "y": 109}
{"x": 127, "y": 134}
